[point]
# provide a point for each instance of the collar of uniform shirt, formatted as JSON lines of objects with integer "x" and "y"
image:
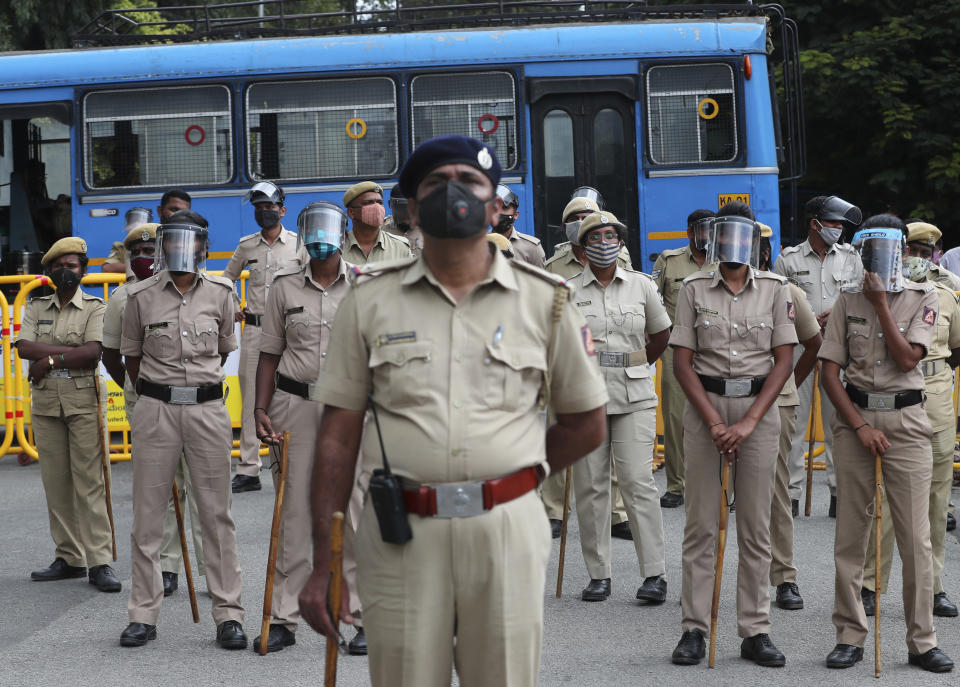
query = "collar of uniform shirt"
{"x": 500, "y": 272}
{"x": 76, "y": 301}
{"x": 718, "y": 277}
{"x": 352, "y": 240}
{"x": 167, "y": 281}
{"x": 341, "y": 273}
{"x": 589, "y": 276}
{"x": 807, "y": 248}
{"x": 282, "y": 236}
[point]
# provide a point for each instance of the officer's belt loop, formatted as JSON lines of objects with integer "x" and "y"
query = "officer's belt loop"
{"x": 179, "y": 395}
{"x": 884, "y": 402}
{"x": 621, "y": 358}
{"x": 733, "y": 388}
{"x": 466, "y": 499}
{"x": 292, "y": 386}
{"x": 253, "y": 319}
{"x": 932, "y": 367}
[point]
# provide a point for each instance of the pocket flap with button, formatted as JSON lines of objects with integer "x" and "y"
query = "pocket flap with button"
{"x": 516, "y": 381}
{"x": 519, "y": 357}
{"x": 402, "y": 369}
{"x": 639, "y": 384}
{"x": 400, "y": 354}
{"x": 760, "y": 329}
{"x": 637, "y": 371}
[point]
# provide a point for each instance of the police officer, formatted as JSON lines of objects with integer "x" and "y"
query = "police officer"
{"x": 621, "y": 307}
{"x": 177, "y": 331}
{"x": 922, "y": 245}
{"x": 819, "y": 266}
{"x": 116, "y": 261}
{"x": 61, "y": 336}
{"x": 733, "y": 341}
{"x": 140, "y": 246}
{"x": 525, "y": 246}
{"x": 937, "y": 368}
{"x": 671, "y": 268}
{"x": 264, "y": 253}
{"x": 366, "y": 242}
{"x": 398, "y": 222}
{"x": 455, "y": 348}
{"x": 879, "y": 336}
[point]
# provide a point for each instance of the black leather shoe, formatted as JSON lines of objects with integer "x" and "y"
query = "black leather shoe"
{"x": 832, "y": 511}
{"x": 934, "y": 660}
{"x": 230, "y": 635}
{"x": 653, "y": 589}
{"x": 788, "y": 597}
{"x": 358, "y": 645}
{"x": 671, "y": 500}
{"x": 277, "y": 638}
{"x": 690, "y": 649}
{"x": 869, "y": 599}
{"x": 137, "y": 634}
{"x": 58, "y": 570}
{"x": 245, "y": 483}
{"x": 844, "y": 656}
{"x": 103, "y": 578}
{"x": 621, "y": 531}
{"x": 597, "y": 590}
{"x": 795, "y": 507}
{"x": 951, "y": 522}
{"x": 555, "y": 527}
{"x": 169, "y": 583}
{"x": 943, "y": 606}
{"x": 761, "y": 651}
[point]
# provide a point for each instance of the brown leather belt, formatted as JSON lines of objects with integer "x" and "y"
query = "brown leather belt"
{"x": 464, "y": 499}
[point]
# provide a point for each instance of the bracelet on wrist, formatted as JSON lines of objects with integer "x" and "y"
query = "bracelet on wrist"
{"x": 715, "y": 424}
{"x": 256, "y": 409}
{"x": 861, "y": 426}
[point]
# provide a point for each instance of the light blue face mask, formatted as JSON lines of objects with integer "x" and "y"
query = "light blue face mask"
{"x": 321, "y": 251}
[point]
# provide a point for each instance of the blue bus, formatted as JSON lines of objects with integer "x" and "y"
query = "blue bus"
{"x": 663, "y": 111}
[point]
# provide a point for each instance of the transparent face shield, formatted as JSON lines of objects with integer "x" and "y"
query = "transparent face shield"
{"x": 589, "y": 193}
{"x": 264, "y": 192}
{"x": 703, "y": 233}
{"x": 881, "y": 252}
{"x": 321, "y": 228}
{"x": 508, "y": 197}
{"x": 734, "y": 239}
{"x": 135, "y": 217}
{"x": 836, "y": 209}
{"x": 400, "y": 211}
{"x": 182, "y": 248}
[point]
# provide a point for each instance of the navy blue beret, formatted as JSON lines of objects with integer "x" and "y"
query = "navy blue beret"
{"x": 447, "y": 150}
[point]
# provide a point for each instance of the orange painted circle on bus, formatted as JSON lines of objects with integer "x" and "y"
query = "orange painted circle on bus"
{"x": 488, "y": 118}
{"x": 356, "y": 134}
{"x": 714, "y": 108}
{"x": 195, "y": 141}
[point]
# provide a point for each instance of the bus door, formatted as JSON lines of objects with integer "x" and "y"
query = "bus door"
{"x": 584, "y": 139}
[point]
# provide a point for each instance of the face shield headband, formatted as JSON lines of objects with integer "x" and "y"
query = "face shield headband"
{"x": 321, "y": 224}
{"x": 881, "y": 252}
{"x": 182, "y": 248}
{"x": 735, "y": 240}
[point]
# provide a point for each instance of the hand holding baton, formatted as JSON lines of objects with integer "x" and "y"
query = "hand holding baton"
{"x": 274, "y": 545}
{"x": 334, "y": 590}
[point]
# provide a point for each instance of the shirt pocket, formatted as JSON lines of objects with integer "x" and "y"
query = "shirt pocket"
{"x": 758, "y": 332}
{"x": 513, "y": 376}
{"x": 710, "y": 331}
{"x": 72, "y": 336}
{"x": 859, "y": 340}
{"x": 257, "y": 273}
{"x": 158, "y": 340}
{"x": 633, "y": 318}
{"x": 302, "y": 331}
{"x": 45, "y": 333}
{"x": 204, "y": 335}
{"x": 403, "y": 370}
{"x": 639, "y": 387}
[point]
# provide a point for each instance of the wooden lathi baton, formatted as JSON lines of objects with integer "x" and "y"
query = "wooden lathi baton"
{"x": 274, "y": 545}
{"x": 333, "y": 594}
{"x": 105, "y": 463}
{"x": 812, "y": 429}
{"x": 878, "y": 577}
{"x": 718, "y": 566}
{"x": 567, "y": 479}
{"x": 191, "y": 590}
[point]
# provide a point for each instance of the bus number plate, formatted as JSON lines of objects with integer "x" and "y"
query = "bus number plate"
{"x": 725, "y": 198}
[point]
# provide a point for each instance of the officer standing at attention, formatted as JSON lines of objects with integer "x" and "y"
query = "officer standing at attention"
{"x": 525, "y": 247}
{"x": 61, "y": 335}
{"x": 366, "y": 242}
{"x": 937, "y": 368}
{"x": 622, "y": 308}
{"x": 457, "y": 351}
{"x": 671, "y": 268}
{"x": 819, "y": 266}
{"x": 879, "y": 336}
{"x": 265, "y": 253}
{"x": 117, "y": 259}
{"x": 733, "y": 341}
{"x": 398, "y": 222}
{"x": 140, "y": 246}
{"x": 177, "y": 333}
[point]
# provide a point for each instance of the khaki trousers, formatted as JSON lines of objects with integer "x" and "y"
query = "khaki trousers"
{"x": 753, "y": 488}
{"x": 798, "y": 472}
{"x": 942, "y": 446}
{"x": 249, "y": 444}
{"x": 907, "y": 468}
{"x": 71, "y": 469}
{"x": 630, "y": 438}
{"x": 672, "y": 400}
{"x": 161, "y": 432}
{"x": 782, "y": 568}
{"x": 464, "y": 591}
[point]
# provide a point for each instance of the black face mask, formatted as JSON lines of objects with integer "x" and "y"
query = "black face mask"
{"x": 266, "y": 218}
{"x": 504, "y": 224}
{"x": 452, "y": 211}
{"x": 65, "y": 279}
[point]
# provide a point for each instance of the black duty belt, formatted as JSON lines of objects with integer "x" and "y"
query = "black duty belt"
{"x": 733, "y": 388}
{"x": 292, "y": 386}
{"x": 179, "y": 395}
{"x": 894, "y": 401}
{"x": 253, "y": 319}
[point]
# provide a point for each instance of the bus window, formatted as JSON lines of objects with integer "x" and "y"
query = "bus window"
{"x": 609, "y": 161}
{"x": 559, "y": 174}
{"x": 322, "y": 129}
{"x": 157, "y": 137}
{"x": 482, "y": 105}
{"x": 691, "y": 116}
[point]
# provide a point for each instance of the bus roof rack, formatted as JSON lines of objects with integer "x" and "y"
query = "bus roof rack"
{"x": 278, "y": 18}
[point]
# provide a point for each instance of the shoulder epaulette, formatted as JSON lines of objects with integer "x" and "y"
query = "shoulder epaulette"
{"x": 527, "y": 237}
{"x": 249, "y": 236}
{"x": 763, "y": 274}
{"x": 359, "y": 274}
{"x": 217, "y": 279}
{"x": 42, "y": 298}
{"x": 402, "y": 239}
{"x": 142, "y": 285}
{"x": 287, "y": 271}
{"x": 944, "y": 287}
{"x": 670, "y": 252}
{"x": 90, "y": 297}
{"x": 550, "y": 277}
{"x": 702, "y": 274}
{"x": 790, "y": 249}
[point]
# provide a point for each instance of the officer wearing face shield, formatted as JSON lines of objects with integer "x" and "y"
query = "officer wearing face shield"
{"x": 398, "y": 222}
{"x": 820, "y": 266}
{"x": 454, "y": 349}
{"x": 264, "y": 254}
{"x": 525, "y": 247}
{"x": 116, "y": 261}
{"x": 366, "y": 242}
{"x": 879, "y": 334}
{"x": 921, "y": 249}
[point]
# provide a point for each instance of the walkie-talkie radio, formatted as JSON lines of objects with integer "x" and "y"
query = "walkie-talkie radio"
{"x": 387, "y": 496}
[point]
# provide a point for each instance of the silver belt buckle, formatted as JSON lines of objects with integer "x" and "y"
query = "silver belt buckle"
{"x": 460, "y": 500}
{"x": 183, "y": 395}
{"x": 881, "y": 401}
{"x": 59, "y": 374}
{"x": 929, "y": 367}
{"x": 737, "y": 388}
{"x": 613, "y": 358}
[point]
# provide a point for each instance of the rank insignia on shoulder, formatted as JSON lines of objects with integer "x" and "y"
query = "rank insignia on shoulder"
{"x": 790, "y": 311}
{"x": 588, "y": 340}
{"x": 929, "y": 315}
{"x": 656, "y": 274}
{"x": 399, "y": 337}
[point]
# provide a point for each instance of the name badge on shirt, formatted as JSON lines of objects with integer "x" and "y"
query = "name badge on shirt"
{"x": 803, "y": 273}
{"x": 293, "y": 311}
{"x": 399, "y": 337}
{"x": 583, "y": 304}
{"x": 158, "y": 325}
{"x": 44, "y": 321}
{"x": 856, "y": 320}
{"x": 253, "y": 260}
{"x": 706, "y": 311}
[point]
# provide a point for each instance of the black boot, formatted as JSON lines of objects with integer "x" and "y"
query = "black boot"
{"x": 761, "y": 651}
{"x": 690, "y": 649}
{"x": 104, "y": 579}
{"x": 788, "y": 596}
{"x": 58, "y": 570}
{"x": 137, "y": 634}
{"x": 844, "y": 656}
{"x": 653, "y": 590}
{"x": 278, "y": 638}
{"x": 597, "y": 590}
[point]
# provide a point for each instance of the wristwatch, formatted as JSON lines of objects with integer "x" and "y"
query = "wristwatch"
{"x": 50, "y": 360}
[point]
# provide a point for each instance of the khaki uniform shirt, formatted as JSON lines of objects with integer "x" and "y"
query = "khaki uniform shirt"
{"x": 386, "y": 247}
{"x": 944, "y": 276}
{"x": 619, "y": 316}
{"x": 820, "y": 280}
{"x": 113, "y": 333}
{"x": 413, "y": 235}
{"x": 299, "y": 320}
{"x": 669, "y": 271}
{"x": 564, "y": 263}
{"x": 118, "y": 254}
{"x": 734, "y": 334}
{"x": 527, "y": 248}
{"x": 179, "y": 337}
{"x": 264, "y": 261}
{"x": 854, "y": 339}
{"x": 805, "y": 322}
{"x": 457, "y": 383}
{"x": 76, "y": 323}
{"x": 946, "y": 337}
